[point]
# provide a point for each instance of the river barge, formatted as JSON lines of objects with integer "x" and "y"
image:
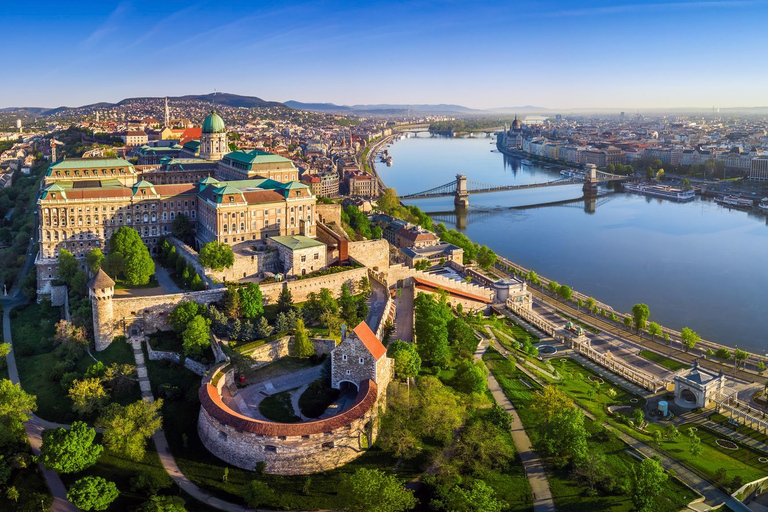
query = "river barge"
{"x": 735, "y": 202}
{"x": 663, "y": 191}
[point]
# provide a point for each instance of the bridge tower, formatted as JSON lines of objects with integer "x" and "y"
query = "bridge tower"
{"x": 590, "y": 180}
{"x": 462, "y": 196}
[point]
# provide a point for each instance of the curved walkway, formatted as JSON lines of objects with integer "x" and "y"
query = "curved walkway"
{"x": 532, "y": 464}
{"x": 35, "y": 426}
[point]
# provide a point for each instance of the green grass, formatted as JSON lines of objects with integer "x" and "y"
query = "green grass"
{"x": 317, "y": 397}
{"x": 122, "y": 285}
{"x": 278, "y": 407}
{"x": 170, "y": 341}
{"x": 568, "y": 493}
{"x": 669, "y": 364}
{"x": 33, "y": 329}
{"x": 741, "y": 429}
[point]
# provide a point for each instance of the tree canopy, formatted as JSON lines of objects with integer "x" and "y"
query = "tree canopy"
{"x": 640, "y": 314}
{"x": 372, "y": 490}
{"x": 407, "y": 360}
{"x": 216, "y": 256}
{"x": 138, "y": 266}
{"x": 128, "y": 427}
{"x": 16, "y": 407}
{"x": 183, "y": 314}
{"x": 647, "y": 478}
{"x": 196, "y": 336}
{"x": 70, "y": 451}
{"x": 689, "y": 338}
{"x": 251, "y": 301}
{"x": 431, "y": 329}
{"x": 92, "y": 493}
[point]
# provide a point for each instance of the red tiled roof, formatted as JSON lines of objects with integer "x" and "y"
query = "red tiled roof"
{"x": 210, "y": 400}
{"x": 370, "y": 340}
{"x": 190, "y": 134}
{"x": 173, "y": 189}
{"x": 429, "y": 286}
{"x": 262, "y": 196}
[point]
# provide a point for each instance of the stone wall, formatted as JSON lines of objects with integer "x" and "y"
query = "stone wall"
{"x": 189, "y": 364}
{"x": 400, "y": 272}
{"x": 287, "y": 448}
{"x": 283, "y": 347}
{"x": 328, "y": 213}
{"x": 371, "y": 253}
{"x": 248, "y": 264}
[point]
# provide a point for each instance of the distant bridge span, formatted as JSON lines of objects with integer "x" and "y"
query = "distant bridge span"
{"x": 461, "y": 188}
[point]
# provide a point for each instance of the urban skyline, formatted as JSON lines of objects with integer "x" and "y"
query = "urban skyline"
{"x": 552, "y": 54}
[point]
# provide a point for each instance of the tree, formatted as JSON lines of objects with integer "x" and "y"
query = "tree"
{"x": 138, "y": 266}
{"x": 196, "y": 336}
{"x": 216, "y": 256}
{"x": 113, "y": 264}
{"x": 565, "y": 292}
{"x": 87, "y": 395}
{"x": 348, "y": 305}
{"x": 591, "y": 304}
{"x": 549, "y": 401}
{"x": 128, "y": 427}
{"x": 12, "y": 494}
{"x": 666, "y": 338}
{"x": 364, "y": 286}
{"x": 723, "y": 353}
{"x": 251, "y": 301}
{"x": 471, "y": 377}
{"x": 654, "y": 329}
{"x": 565, "y": 435}
{"x": 407, "y": 360}
{"x": 388, "y": 201}
{"x": 640, "y": 314}
{"x": 739, "y": 356}
{"x": 694, "y": 443}
{"x": 479, "y": 497}
{"x": 230, "y": 302}
{"x": 182, "y": 228}
{"x": 94, "y": 259}
{"x": 164, "y": 504}
{"x": 285, "y": 300}
{"x": 689, "y": 338}
{"x": 627, "y": 321}
{"x": 183, "y": 314}
{"x": 304, "y": 347}
{"x": 647, "y": 479}
{"x": 72, "y": 338}
{"x": 486, "y": 257}
{"x": 92, "y": 493}
{"x": 68, "y": 266}
{"x": 553, "y": 286}
{"x": 359, "y": 487}
{"x": 422, "y": 265}
{"x": 257, "y": 493}
{"x": 16, "y": 407}
{"x": 69, "y": 451}
{"x": 761, "y": 367}
{"x": 639, "y": 418}
{"x": 533, "y": 278}
{"x": 431, "y": 330}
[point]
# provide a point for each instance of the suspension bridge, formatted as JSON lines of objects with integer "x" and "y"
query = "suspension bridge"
{"x": 461, "y": 188}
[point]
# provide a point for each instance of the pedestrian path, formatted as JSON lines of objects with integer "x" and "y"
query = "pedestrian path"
{"x": 532, "y": 464}
{"x": 736, "y": 436}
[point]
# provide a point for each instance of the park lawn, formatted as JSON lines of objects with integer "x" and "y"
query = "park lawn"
{"x": 666, "y": 362}
{"x": 278, "y": 407}
{"x": 742, "y": 462}
{"x": 33, "y": 329}
{"x": 205, "y": 470}
{"x": 120, "y": 470}
{"x": 741, "y": 429}
{"x": 568, "y": 493}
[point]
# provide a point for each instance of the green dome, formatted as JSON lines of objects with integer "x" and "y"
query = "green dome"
{"x": 214, "y": 123}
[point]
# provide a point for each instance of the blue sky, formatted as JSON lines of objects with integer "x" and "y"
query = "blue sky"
{"x": 557, "y": 54}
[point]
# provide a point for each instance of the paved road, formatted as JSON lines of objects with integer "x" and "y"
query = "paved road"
{"x": 376, "y": 304}
{"x": 534, "y": 467}
{"x": 404, "y": 315}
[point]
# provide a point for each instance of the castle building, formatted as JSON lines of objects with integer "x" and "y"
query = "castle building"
{"x": 84, "y": 201}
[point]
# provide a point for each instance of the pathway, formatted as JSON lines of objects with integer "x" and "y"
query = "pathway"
{"x": 404, "y": 314}
{"x": 35, "y": 426}
{"x": 164, "y": 451}
{"x": 532, "y": 464}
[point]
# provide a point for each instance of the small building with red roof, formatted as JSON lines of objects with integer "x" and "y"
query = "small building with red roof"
{"x": 359, "y": 357}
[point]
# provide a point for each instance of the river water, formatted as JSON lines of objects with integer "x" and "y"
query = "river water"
{"x": 695, "y": 264}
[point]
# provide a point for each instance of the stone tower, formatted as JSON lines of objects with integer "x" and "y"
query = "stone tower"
{"x": 213, "y": 141}
{"x": 101, "y": 290}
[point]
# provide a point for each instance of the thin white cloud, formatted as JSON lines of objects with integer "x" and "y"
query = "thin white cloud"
{"x": 167, "y": 23}
{"x": 661, "y": 6}
{"x": 111, "y": 24}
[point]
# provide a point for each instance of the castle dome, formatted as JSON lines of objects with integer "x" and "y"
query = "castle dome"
{"x": 214, "y": 123}
{"x": 516, "y": 124}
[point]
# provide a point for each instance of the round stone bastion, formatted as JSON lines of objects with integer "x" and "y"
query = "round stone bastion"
{"x": 285, "y": 448}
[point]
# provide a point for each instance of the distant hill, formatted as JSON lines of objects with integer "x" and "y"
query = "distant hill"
{"x": 219, "y": 98}
{"x": 381, "y": 108}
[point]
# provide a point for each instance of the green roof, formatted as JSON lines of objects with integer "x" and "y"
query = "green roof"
{"x": 89, "y": 163}
{"x": 297, "y": 242}
{"x": 214, "y": 123}
{"x": 254, "y": 156}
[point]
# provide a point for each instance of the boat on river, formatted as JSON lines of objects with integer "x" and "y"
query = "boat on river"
{"x": 735, "y": 202}
{"x": 763, "y": 204}
{"x": 525, "y": 161}
{"x": 572, "y": 173}
{"x": 663, "y": 191}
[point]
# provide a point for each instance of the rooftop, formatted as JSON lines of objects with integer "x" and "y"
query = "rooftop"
{"x": 296, "y": 242}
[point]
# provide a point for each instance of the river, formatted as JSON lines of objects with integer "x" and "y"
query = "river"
{"x": 695, "y": 264}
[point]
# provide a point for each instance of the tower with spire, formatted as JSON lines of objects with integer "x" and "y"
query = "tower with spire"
{"x": 167, "y": 118}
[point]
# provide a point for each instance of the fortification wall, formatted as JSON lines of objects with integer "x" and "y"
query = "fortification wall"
{"x": 246, "y": 265}
{"x": 373, "y": 254}
{"x": 400, "y": 272}
{"x": 328, "y": 213}
{"x": 287, "y": 448}
{"x": 283, "y": 347}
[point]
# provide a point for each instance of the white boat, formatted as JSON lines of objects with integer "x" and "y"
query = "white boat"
{"x": 525, "y": 161}
{"x": 572, "y": 173}
{"x": 735, "y": 202}
{"x": 763, "y": 204}
{"x": 676, "y": 194}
